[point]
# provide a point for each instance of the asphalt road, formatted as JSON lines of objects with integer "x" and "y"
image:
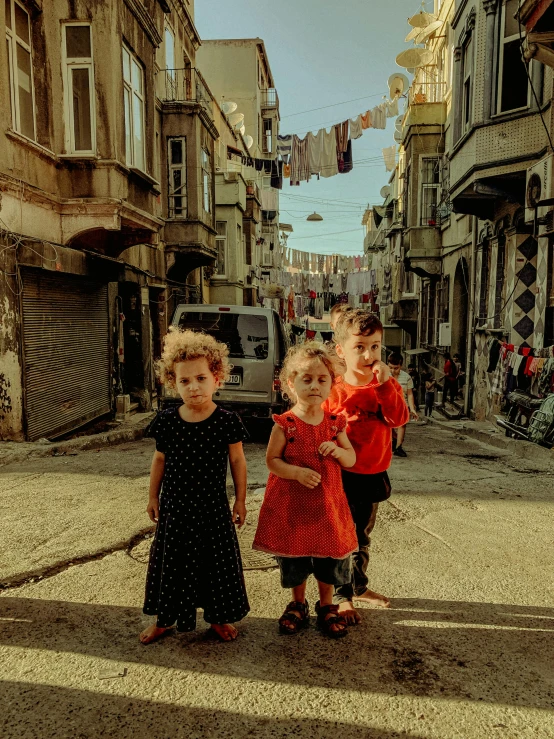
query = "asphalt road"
{"x": 463, "y": 548}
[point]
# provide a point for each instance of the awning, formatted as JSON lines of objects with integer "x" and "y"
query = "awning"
{"x": 417, "y": 351}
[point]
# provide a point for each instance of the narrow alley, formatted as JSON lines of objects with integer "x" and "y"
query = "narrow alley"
{"x": 463, "y": 548}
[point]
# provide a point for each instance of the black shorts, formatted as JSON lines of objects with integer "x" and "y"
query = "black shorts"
{"x": 373, "y": 488}
{"x": 296, "y": 570}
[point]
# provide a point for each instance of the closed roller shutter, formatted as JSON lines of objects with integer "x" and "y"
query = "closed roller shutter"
{"x": 67, "y": 352}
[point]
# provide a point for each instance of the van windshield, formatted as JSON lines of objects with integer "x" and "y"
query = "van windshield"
{"x": 246, "y": 335}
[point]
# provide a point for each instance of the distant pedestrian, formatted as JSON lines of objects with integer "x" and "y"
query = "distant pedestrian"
{"x": 414, "y": 374}
{"x": 450, "y": 379}
{"x": 305, "y": 520}
{"x": 195, "y": 558}
{"x": 460, "y": 374}
{"x": 395, "y": 361}
{"x": 430, "y": 386}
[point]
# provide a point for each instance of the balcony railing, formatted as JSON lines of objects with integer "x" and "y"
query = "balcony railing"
{"x": 185, "y": 86}
{"x": 426, "y": 92}
{"x": 270, "y": 99}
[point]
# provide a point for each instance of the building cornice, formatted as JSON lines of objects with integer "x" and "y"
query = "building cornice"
{"x": 145, "y": 21}
{"x": 458, "y": 14}
{"x": 490, "y": 6}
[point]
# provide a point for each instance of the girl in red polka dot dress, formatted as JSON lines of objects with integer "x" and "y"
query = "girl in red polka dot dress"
{"x": 305, "y": 520}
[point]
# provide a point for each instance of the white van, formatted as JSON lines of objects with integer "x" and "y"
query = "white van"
{"x": 257, "y": 346}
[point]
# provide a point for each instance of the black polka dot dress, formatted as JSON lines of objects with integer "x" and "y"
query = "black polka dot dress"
{"x": 195, "y": 559}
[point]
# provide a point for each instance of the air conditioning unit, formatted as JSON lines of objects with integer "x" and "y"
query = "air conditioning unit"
{"x": 445, "y": 334}
{"x": 538, "y": 187}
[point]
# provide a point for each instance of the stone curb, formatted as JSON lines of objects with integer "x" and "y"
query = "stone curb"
{"x": 517, "y": 447}
{"x": 35, "y": 449}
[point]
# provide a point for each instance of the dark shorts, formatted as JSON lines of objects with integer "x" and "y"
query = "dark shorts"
{"x": 372, "y": 488}
{"x": 296, "y": 570}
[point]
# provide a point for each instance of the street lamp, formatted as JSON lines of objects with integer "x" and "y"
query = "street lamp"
{"x": 314, "y": 217}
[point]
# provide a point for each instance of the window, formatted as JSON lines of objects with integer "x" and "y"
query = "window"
{"x": 80, "y": 129}
{"x": 206, "y": 181}
{"x": 177, "y": 166}
{"x": 247, "y": 336}
{"x": 20, "y": 68}
{"x": 133, "y": 102}
{"x": 443, "y": 301}
{"x": 513, "y": 83}
{"x": 170, "y": 73}
{"x": 240, "y": 244}
{"x": 429, "y": 190}
{"x": 221, "y": 248}
{"x": 267, "y": 138}
{"x": 467, "y": 86}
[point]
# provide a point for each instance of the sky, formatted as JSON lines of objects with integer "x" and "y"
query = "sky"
{"x": 321, "y": 53}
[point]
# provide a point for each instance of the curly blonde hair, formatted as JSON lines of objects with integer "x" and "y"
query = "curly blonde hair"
{"x": 180, "y": 346}
{"x": 301, "y": 354}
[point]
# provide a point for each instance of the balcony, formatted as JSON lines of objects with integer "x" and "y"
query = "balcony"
{"x": 423, "y": 249}
{"x": 421, "y": 93}
{"x": 185, "y": 86}
{"x": 270, "y": 99}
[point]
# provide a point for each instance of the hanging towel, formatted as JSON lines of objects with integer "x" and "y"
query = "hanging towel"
{"x": 366, "y": 119}
{"x": 329, "y": 165}
{"x": 284, "y": 147}
{"x": 389, "y": 157}
{"x": 341, "y": 134}
{"x": 300, "y": 171}
{"x": 356, "y": 127}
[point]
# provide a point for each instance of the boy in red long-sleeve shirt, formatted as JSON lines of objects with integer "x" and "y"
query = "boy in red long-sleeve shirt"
{"x": 373, "y": 403}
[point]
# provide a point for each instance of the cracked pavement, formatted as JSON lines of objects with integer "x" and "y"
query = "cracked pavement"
{"x": 463, "y": 548}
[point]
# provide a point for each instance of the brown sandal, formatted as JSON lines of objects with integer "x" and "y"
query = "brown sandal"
{"x": 328, "y": 616}
{"x": 295, "y": 623}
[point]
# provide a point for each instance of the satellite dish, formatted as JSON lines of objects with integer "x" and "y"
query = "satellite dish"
{"x": 413, "y": 33}
{"x": 398, "y": 136}
{"x": 228, "y": 107}
{"x": 426, "y": 33}
{"x": 248, "y": 140}
{"x": 385, "y": 192}
{"x": 398, "y": 123}
{"x": 414, "y": 58}
{"x": 410, "y": 70}
{"x": 242, "y": 130}
{"x": 421, "y": 19}
{"x": 398, "y": 84}
{"x": 235, "y": 119}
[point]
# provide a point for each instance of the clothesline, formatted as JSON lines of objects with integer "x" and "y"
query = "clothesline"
{"x": 524, "y": 367}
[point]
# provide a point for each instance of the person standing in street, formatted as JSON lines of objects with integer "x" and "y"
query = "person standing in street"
{"x": 305, "y": 520}
{"x": 395, "y": 361}
{"x": 373, "y": 404}
{"x": 195, "y": 559}
{"x": 450, "y": 372}
{"x": 430, "y": 385}
{"x": 414, "y": 374}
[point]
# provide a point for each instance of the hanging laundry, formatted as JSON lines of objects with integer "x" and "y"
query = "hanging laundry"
{"x": 341, "y": 134}
{"x": 284, "y": 147}
{"x": 300, "y": 171}
{"x": 297, "y": 330}
{"x": 286, "y": 170}
{"x": 310, "y": 335}
{"x": 329, "y": 165}
{"x": 315, "y": 151}
{"x": 347, "y": 163}
{"x": 356, "y": 128}
{"x": 391, "y": 108}
{"x": 389, "y": 157}
{"x": 290, "y": 306}
{"x": 267, "y": 166}
{"x": 366, "y": 120}
{"x": 379, "y": 117}
{"x": 259, "y": 164}
{"x": 277, "y": 174}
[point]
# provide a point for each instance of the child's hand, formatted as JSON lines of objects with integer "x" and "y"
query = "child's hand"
{"x": 329, "y": 448}
{"x": 309, "y": 478}
{"x": 153, "y": 509}
{"x": 414, "y": 415}
{"x": 381, "y": 371}
{"x": 239, "y": 513}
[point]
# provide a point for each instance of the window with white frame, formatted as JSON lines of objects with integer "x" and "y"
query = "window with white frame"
{"x": 267, "y": 136}
{"x": 467, "y": 83}
{"x": 206, "y": 181}
{"x": 78, "y": 70}
{"x": 429, "y": 190}
{"x": 133, "y": 102}
{"x": 513, "y": 83}
{"x": 177, "y": 170}
{"x": 20, "y": 68}
{"x": 221, "y": 248}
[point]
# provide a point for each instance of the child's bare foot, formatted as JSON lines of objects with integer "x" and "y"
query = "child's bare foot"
{"x": 351, "y": 615}
{"x": 152, "y": 633}
{"x": 373, "y": 599}
{"x": 226, "y": 632}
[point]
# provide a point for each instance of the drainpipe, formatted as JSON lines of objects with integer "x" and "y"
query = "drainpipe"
{"x": 490, "y": 7}
{"x": 470, "y": 348}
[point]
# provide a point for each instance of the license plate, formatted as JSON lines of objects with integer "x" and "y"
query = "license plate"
{"x": 233, "y": 380}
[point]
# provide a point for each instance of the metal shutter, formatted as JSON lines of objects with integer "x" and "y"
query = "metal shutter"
{"x": 67, "y": 352}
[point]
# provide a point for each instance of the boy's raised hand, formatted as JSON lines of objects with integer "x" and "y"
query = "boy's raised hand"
{"x": 307, "y": 477}
{"x": 381, "y": 371}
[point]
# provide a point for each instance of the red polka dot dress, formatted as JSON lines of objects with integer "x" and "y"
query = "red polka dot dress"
{"x": 296, "y": 521}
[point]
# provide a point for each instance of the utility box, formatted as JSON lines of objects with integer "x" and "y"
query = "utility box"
{"x": 445, "y": 334}
{"x": 122, "y": 407}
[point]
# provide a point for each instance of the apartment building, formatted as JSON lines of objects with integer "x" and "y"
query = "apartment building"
{"x": 107, "y": 202}
{"x": 478, "y": 123}
{"x": 251, "y": 88}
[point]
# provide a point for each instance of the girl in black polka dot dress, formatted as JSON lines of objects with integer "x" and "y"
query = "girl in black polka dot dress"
{"x": 195, "y": 559}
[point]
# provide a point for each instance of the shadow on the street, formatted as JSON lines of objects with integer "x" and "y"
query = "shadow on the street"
{"x": 69, "y": 713}
{"x": 446, "y": 649}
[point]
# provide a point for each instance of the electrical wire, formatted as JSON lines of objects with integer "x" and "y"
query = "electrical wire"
{"x": 334, "y": 105}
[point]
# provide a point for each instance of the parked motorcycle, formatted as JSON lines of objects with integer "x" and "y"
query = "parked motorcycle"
{"x": 529, "y": 418}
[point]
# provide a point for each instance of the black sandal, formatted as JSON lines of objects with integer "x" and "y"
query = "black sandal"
{"x": 328, "y": 616}
{"x": 295, "y": 623}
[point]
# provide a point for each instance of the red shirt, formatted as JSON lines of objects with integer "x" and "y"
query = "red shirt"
{"x": 371, "y": 412}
